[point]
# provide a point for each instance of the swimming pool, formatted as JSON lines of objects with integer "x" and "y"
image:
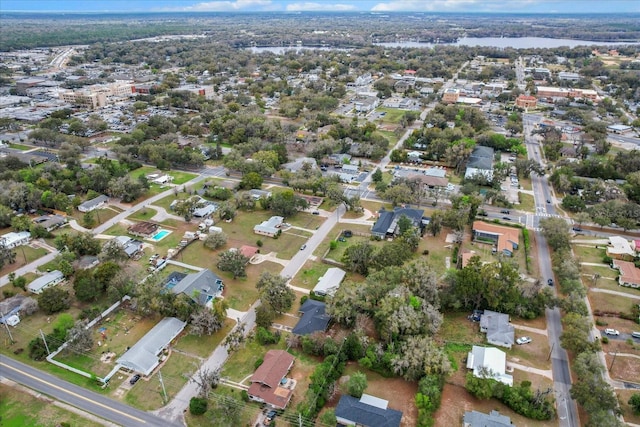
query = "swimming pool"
{"x": 161, "y": 234}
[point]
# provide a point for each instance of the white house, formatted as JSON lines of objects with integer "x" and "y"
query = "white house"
{"x": 43, "y": 282}
{"x": 92, "y": 204}
{"x": 330, "y": 282}
{"x": 270, "y": 227}
{"x": 13, "y": 240}
{"x": 489, "y": 362}
{"x": 619, "y": 247}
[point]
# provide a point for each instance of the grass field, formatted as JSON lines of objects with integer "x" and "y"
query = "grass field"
{"x": 609, "y": 303}
{"x": 20, "y": 409}
{"x": 589, "y": 253}
{"x": 20, "y": 147}
{"x": 309, "y": 274}
{"x": 527, "y": 203}
{"x": 204, "y": 345}
{"x": 242, "y": 363}
{"x": 147, "y": 393}
{"x": 22, "y": 252}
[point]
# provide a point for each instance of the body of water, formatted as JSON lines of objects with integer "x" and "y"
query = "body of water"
{"x": 514, "y": 42}
{"x": 497, "y": 42}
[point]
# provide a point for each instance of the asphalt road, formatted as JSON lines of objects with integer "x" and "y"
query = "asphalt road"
{"x": 566, "y": 407}
{"x": 79, "y": 397}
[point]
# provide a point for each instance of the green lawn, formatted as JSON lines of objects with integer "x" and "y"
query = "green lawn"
{"x": 21, "y": 409}
{"x": 147, "y": 393}
{"x": 589, "y": 253}
{"x": 242, "y": 363}
{"x": 144, "y": 214}
{"x": 166, "y": 202}
{"x": 308, "y": 276}
{"x": 604, "y": 271}
{"x": 24, "y": 255}
{"x": 20, "y": 147}
{"x": 180, "y": 177}
{"x": 393, "y": 115}
{"x": 204, "y": 345}
{"x": 527, "y": 203}
{"x": 610, "y": 303}
{"x": 247, "y": 417}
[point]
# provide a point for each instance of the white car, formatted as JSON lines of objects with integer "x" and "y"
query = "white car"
{"x": 523, "y": 340}
{"x": 610, "y": 331}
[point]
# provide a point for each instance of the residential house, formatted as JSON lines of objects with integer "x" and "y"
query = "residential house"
{"x": 489, "y": 362}
{"x": 629, "y": 273}
{"x": 505, "y": 239}
{"x": 86, "y": 262}
{"x": 13, "y": 240}
{"x": 46, "y": 281}
{"x": 93, "y": 204}
{"x": 414, "y": 156}
{"x": 259, "y": 194}
{"x": 480, "y": 163}
{"x": 202, "y": 287}
{"x": 143, "y": 229}
{"x": 367, "y": 411}
{"x": 269, "y": 384}
{"x": 144, "y": 356}
{"x": 620, "y": 248}
{"x": 131, "y": 247}
{"x": 248, "y": 251}
{"x": 387, "y": 224}
{"x": 300, "y": 163}
{"x": 480, "y": 419}
{"x": 350, "y": 169}
{"x": 50, "y": 222}
{"x": 313, "y": 319}
{"x": 498, "y": 328}
{"x": 329, "y": 283}
{"x": 205, "y": 209}
{"x": 270, "y": 227}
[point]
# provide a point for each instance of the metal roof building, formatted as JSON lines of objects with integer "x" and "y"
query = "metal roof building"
{"x": 143, "y": 356}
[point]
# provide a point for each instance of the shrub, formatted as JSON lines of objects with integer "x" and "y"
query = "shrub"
{"x": 20, "y": 282}
{"x": 607, "y": 259}
{"x": 258, "y": 363}
{"x": 605, "y": 340}
{"x": 198, "y": 405}
{"x": 265, "y": 336}
{"x": 244, "y": 395}
{"x": 7, "y": 293}
{"x": 259, "y": 243}
{"x": 303, "y": 299}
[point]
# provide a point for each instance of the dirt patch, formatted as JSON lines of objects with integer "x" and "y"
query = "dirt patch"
{"x": 624, "y": 367}
{"x": 456, "y": 401}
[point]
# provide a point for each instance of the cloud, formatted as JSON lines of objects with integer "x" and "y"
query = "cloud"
{"x": 229, "y": 6}
{"x": 319, "y": 7}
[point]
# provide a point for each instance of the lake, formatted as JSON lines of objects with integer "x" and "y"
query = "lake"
{"x": 514, "y": 42}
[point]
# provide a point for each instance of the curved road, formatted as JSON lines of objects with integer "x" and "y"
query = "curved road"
{"x": 79, "y": 397}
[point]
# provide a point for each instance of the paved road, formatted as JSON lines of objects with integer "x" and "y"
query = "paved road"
{"x": 79, "y": 397}
{"x": 566, "y": 407}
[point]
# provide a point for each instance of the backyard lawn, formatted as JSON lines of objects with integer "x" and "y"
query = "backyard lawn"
{"x": 203, "y": 346}
{"x": 21, "y": 409}
{"x": 242, "y": 362}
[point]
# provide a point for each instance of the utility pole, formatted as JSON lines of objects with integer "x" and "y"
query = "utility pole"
{"x": 612, "y": 362}
{"x": 45, "y": 342}
{"x": 164, "y": 391}
{"x": 4, "y": 320}
{"x": 551, "y": 351}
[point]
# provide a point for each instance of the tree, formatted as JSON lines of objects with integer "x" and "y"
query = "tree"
{"x": 112, "y": 251}
{"x": 357, "y": 384}
{"x": 7, "y": 256}
{"x": 53, "y": 300}
{"x": 251, "y": 180}
{"x": 634, "y": 402}
{"x": 205, "y": 322}
{"x": 89, "y": 219}
{"x": 420, "y": 355}
{"x": 358, "y": 257}
{"x": 125, "y": 188}
{"x": 206, "y": 380}
{"x": 286, "y": 203}
{"x": 86, "y": 287}
{"x": 274, "y": 292}
{"x": 21, "y": 223}
{"x": 5, "y": 216}
{"x": 80, "y": 338}
{"x": 198, "y": 405}
{"x": 556, "y": 231}
{"x": 233, "y": 261}
{"x": 215, "y": 240}
{"x": 28, "y": 306}
{"x": 376, "y": 176}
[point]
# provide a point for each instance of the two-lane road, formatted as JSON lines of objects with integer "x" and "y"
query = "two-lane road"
{"x": 79, "y": 397}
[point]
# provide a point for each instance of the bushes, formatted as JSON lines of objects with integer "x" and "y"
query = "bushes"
{"x": 519, "y": 398}
{"x": 265, "y": 336}
{"x": 198, "y": 405}
{"x": 428, "y": 398}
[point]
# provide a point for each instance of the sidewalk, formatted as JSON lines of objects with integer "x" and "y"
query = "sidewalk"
{"x": 544, "y": 372}
{"x": 620, "y": 294}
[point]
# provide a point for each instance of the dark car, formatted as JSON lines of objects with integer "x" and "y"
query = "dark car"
{"x": 315, "y": 213}
{"x": 347, "y": 233}
{"x": 550, "y": 282}
{"x": 577, "y": 229}
{"x": 483, "y": 213}
{"x": 548, "y": 201}
{"x": 506, "y": 218}
{"x": 134, "y": 379}
{"x": 505, "y": 211}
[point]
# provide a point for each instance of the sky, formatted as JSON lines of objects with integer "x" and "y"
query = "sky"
{"x": 468, "y": 6}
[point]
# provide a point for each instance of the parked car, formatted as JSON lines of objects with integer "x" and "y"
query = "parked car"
{"x": 550, "y": 282}
{"x": 610, "y": 331}
{"x": 271, "y": 414}
{"x": 134, "y": 379}
{"x": 315, "y": 213}
{"x": 635, "y": 334}
{"x": 505, "y": 211}
{"x": 523, "y": 340}
{"x": 577, "y": 229}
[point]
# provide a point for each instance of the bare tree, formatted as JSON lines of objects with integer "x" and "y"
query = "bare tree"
{"x": 205, "y": 322}
{"x": 79, "y": 337}
{"x": 206, "y": 380}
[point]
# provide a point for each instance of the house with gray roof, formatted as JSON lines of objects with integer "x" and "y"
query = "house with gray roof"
{"x": 130, "y": 246}
{"x": 202, "y": 287}
{"x": 489, "y": 362}
{"x": 498, "y": 328}
{"x": 480, "y": 163}
{"x": 314, "y": 318}
{"x": 205, "y": 210}
{"x": 480, "y": 419}
{"x": 93, "y": 204}
{"x": 329, "y": 283}
{"x": 367, "y": 411}
{"x": 143, "y": 357}
{"x": 270, "y": 227}
{"x": 46, "y": 281}
{"x": 50, "y": 222}
{"x": 387, "y": 224}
